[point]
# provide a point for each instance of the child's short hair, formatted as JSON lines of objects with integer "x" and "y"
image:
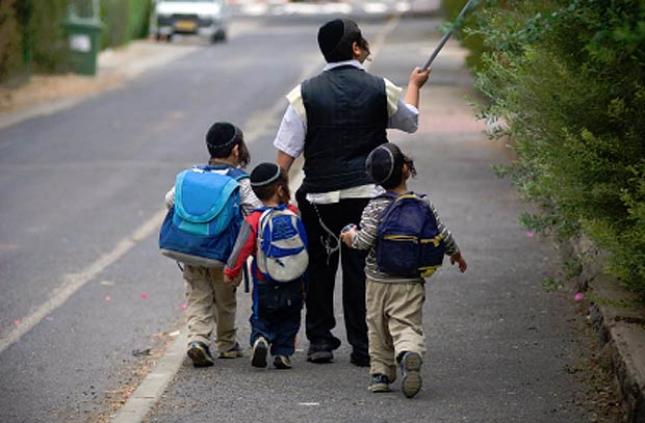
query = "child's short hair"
{"x": 222, "y": 137}
{"x": 385, "y": 165}
{"x": 266, "y": 178}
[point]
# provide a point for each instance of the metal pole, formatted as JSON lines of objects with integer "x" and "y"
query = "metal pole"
{"x": 445, "y": 38}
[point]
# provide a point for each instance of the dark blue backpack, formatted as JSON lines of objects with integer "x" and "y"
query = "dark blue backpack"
{"x": 408, "y": 242}
{"x": 202, "y": 226}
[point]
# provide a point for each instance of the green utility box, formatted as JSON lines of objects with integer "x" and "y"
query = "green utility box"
{"x": 84, "y": 37}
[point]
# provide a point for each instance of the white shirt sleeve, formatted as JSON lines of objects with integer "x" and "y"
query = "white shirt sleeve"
{"x": 401, "y": 115}
{"x": 406, "y": 118}
{"x": 293, "y": 128}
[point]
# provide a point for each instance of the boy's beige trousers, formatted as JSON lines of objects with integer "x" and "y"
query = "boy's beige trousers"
{"x": 394, "y": 323}
{"x": 210, "y": 305}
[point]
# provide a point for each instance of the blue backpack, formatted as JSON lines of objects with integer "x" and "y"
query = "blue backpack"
{"x": 201, "y": 228}
{"x": 408, "y": 242}
{"x": 282, "y": 245}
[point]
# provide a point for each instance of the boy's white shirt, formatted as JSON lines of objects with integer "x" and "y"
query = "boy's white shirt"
{"x": 293, "y": 129}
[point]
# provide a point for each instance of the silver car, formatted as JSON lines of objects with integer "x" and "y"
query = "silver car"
{"x": 207, "y": 18}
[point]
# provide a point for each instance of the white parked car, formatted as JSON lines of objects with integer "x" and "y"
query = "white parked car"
{"x": 208, "y": 18}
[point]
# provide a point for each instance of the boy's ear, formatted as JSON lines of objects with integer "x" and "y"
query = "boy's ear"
{"x": 356, "y": 50}
{"x": 406, "y": 171}
{"x": 235, "y": 151}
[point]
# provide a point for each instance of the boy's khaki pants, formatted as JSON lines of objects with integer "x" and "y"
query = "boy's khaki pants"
{"x": 211, "y": 306}
{"x": 394, "y": 323}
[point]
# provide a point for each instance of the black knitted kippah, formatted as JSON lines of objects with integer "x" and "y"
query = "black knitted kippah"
{"x": 265, "y": 174}
{"x": 335, "y": 39}
{"x": 384, "y": 163}
{"x": 221, "y": 134}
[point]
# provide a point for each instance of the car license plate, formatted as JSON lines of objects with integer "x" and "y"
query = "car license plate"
{"x": 185, "y": 25}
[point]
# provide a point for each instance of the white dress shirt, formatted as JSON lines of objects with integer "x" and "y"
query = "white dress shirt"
{"x": 293, "y": 130}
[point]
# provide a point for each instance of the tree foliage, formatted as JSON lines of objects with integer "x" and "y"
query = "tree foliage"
{"x": 569, "y": 79}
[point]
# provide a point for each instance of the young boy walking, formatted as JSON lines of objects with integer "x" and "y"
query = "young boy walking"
{"x": 274, "y": 236}
{"x": 395, "y": 283}
{"x": 211, "y": 304}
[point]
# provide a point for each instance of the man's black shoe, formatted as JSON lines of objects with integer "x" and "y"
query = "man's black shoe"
{"x": 320, "y": 354}
{"x": 359, "y": 360}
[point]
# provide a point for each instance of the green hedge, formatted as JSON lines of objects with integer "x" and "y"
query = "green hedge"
{"x": 569, "y": 79}
{"x": 124, "y": 20}
{"x": 32, "y": 37}
{"x": 11, "y": 55}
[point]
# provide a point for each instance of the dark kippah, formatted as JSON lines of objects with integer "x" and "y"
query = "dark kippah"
{"x": 221, "y": 134}
{"x": 335, "y": 39}
{"x": 382, "y": 163}
{"x": 265, "y": 174}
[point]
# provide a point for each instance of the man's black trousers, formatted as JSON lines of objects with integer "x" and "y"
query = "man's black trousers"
{"x": 321, "y": 275}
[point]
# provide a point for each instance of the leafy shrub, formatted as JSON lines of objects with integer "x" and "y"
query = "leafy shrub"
{"x": 11, "y": 60}
{"x": 45, "y": 36}
{"x": 569, "y": 79}
{"x": 124, "y": 20}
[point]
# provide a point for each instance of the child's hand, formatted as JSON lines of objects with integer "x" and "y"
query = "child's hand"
{"x": 457, "y": 258}
{"x": 419, "y": 77}
{"x": 348, "y": 236}
{"x": 233, "y": 281}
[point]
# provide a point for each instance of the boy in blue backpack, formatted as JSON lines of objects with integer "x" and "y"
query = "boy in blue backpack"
{"x": 406, "y": 243}
{"x": 275, "y": 237}
{"x": 190, "y": 238}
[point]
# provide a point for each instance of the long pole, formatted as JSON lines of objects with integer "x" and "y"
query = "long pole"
{"x": 447, "y": 35}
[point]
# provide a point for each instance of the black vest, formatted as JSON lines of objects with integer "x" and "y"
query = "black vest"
{"x": 346, "y": 119}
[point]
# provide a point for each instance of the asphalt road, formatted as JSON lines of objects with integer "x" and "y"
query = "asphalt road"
{"x": 78, "y": 188}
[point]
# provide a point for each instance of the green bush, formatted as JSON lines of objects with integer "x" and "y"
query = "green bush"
{"x": 11, "y": 57}
{"x": 124, "y": 20}
{"x": 472, "y": 41}
{"x": 569, "y": 79}
{"x": 45, "y": 36}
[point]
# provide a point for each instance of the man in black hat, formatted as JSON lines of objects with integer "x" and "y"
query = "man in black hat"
{"x": 336, "y": 119}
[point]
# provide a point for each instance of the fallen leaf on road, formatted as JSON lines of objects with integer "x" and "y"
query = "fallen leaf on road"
{"x": 140, "y": 353}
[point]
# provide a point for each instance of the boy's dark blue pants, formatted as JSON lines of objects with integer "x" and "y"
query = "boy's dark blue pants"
{"x": 276, "y": 314}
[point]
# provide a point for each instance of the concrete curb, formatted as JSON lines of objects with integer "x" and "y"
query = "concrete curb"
{"x": 618, "y": 320}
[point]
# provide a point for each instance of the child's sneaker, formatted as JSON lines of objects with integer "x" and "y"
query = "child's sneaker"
{"x": 282, "y": 362}
{"x": 234, "y": 352}
{"x": 260, "y": 349}
{"x": 200, "y": 354}
{"x": 379, "y": 383}
{"x": 410, "y": 368}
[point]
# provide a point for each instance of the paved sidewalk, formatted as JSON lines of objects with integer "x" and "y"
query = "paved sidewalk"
{"x": 499, "y": 347}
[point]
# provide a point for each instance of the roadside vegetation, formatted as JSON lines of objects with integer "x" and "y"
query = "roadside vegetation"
{"x": 568, "y": 80}
{"x": 32, "y": 33}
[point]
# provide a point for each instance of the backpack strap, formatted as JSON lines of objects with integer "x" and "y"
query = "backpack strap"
{"x": 237, "y": 174}
{"x": 231, "y": 171}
